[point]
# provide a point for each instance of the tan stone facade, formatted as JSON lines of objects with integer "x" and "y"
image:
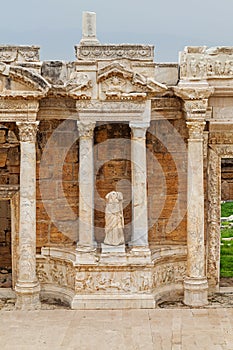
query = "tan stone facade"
{"x": 114, "y": 120}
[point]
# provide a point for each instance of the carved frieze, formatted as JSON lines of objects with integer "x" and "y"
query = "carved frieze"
{"x": 106, "y": 52}
{"x": 169, "y": 273}
{"x": 96, "y": 105}
{"x": 200, "y": 63}
{"x": 165, "y": 103}
{"x": 9, "y": 54}
{"x": 58, "y": 273}
{"x": 113, "y": 282}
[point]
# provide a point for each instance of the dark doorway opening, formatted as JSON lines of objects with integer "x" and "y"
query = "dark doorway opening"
{"x": 5, "y": 245}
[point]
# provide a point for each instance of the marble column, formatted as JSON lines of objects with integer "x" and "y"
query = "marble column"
{"x": 195, "y": 283}
{"x": 27, "y": 286}
{"x": 86, "y": 245}
{"x": 139, "y": 239}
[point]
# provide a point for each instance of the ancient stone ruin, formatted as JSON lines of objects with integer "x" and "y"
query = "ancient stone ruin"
{"x": 115, "y": 122}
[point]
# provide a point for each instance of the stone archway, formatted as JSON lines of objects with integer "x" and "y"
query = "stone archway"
{"x": 216, "y": 153}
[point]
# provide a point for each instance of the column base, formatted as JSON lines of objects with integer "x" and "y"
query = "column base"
{"x": 28, "y": 296}
{"x": 195, "y": 291}
{"x": 140, "y": 255}
{"x": 85, "y": 255}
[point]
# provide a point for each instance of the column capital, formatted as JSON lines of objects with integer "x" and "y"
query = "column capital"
{"x": 86, "y": 129}
{"x": 194, "y": 92}
{"x": 27, "y": 131}
{"x": 139, "y": 129}
{"x": 196, "y": 128}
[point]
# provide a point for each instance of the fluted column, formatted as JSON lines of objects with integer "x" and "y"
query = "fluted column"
{"x": 195, "y": 283}
{"x": 139, "y": 239}
{"x": 86, "y": 244}
{"x": 27, "y": 286}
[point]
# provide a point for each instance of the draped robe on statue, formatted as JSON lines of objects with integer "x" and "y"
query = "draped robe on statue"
{"x": 114, "y": 220}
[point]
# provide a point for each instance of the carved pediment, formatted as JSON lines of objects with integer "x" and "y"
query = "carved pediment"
{"x": 20, "y": 82}
{"x": 79, "y": 85}
{"x": 120, "y": 83}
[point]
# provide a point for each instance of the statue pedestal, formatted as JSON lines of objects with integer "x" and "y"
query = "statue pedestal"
{"x": 106, "y": 248}
{"x": 113, "y": 253}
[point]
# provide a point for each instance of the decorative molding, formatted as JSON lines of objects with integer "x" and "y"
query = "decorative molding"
{"x": 9, "y": 54}
{"x": 165, "y": 103}
{"x": 107, "y": 52}
{"x": 96, "y": 105}
{"x": 27, "y": 131}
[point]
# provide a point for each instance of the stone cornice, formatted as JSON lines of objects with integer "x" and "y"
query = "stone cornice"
{"x": 107, "y": 52}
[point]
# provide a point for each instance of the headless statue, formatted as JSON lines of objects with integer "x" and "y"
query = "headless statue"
{"x": 114, "y": 220}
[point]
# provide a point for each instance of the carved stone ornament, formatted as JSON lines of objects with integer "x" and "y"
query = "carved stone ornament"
{"x": 27, "y": 131}
{"x": 195, "y": 107}
{"x": 169, "y": 273}
{"x": 196, "y": 129}
{"x": 118, "y": 82}
{"x": 79, "y": 85}
{"x": 10, "y": 54}
{"x": 165, "y": 103}
{"x": 111, "y": 282}
{"x": 193, "y": 93}
{"x": 200, "y": 63}
{"x": 4, "y": 68}
{"x": 106, "y": 52}
{"x": 86, "y": 129}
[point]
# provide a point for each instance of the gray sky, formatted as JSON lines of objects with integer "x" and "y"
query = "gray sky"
{"x": 55, "y": 25}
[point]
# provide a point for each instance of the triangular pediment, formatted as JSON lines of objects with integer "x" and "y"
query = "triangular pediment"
{"x": 21, "y": 82}
{"x": 118, "y": 82}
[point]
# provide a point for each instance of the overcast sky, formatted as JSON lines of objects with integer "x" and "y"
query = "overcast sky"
{"x": 55, "y": 25}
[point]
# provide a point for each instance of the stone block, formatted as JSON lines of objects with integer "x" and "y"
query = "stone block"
{"x": 112, "y": 249}
{"x": 2, "y": 136}
{"x": 3, "y": 158}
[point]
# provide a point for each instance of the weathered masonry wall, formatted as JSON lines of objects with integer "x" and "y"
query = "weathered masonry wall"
{"x": 57, "y": 209}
